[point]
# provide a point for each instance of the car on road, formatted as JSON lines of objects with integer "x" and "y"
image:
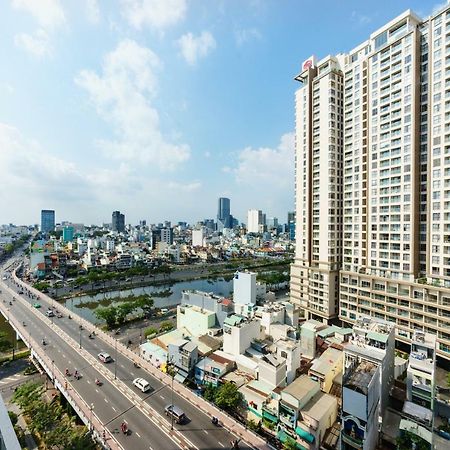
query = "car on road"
{"x": 49, "y": 313}
{"x": 36, "y": 305}
{"x": 104, "y": 357}
{"x": 175, "y": 412}
{"x": 142, "y": 384}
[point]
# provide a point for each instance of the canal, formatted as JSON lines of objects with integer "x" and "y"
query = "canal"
{"x": 169, "y": 295}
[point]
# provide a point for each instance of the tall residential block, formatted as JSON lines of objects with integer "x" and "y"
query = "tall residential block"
{"x": 373, "y": 180}
{"x": 47, "y": 220}
{"x": 254, "y": 220}
{"x": 118, "y": 222}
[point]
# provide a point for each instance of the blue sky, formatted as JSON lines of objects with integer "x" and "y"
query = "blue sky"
{"x": 159, "y": 107}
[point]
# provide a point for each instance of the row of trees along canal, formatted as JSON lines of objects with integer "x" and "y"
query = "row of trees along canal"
{"x": 115, "y": 316}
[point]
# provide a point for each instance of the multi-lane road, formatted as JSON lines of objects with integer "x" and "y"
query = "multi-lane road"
{"x": 117, "y": 399}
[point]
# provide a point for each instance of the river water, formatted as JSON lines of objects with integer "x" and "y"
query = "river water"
{"x": 85, "y": 305}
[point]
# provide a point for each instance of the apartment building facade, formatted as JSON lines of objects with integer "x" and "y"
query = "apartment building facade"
{"x": 373, "y": 180}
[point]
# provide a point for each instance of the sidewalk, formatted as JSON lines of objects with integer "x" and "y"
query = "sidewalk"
{"x": 29, "y": 440}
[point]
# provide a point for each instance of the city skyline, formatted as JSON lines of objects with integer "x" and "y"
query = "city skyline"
{"x": 126, "y": 110}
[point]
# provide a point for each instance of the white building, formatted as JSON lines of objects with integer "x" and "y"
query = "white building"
{"x": 289, "y": 350}
{"x": 238, "y": 334}
{"x": 244, "y": 288}
{"x": 254, "y": 220}
{"x": 272, "y": 371}
{"x": 199, "y": 237}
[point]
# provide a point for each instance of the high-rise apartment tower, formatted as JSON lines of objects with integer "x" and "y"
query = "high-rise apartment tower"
{"x": 373, "y": 180}
{"x": 118, "y": 222}
{"x": 47, "y": 220}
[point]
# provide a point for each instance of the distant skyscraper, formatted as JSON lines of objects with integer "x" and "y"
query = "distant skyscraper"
{"x": 47, "y": 220}
{"x": 254, "y": 220}
{"x": 224, "y": 219}
{"x": 118, "y": 222}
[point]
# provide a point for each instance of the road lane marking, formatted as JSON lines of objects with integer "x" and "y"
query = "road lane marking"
{"x": 88, "y": 381}
{"x": 96, "y": 391}
{"x": 106, "y": 400}
{"x": 220, "y": 443}
{"x": 138, "y": 435}
{"x": 204, "y": 431}
{"x": 162, "y": 397}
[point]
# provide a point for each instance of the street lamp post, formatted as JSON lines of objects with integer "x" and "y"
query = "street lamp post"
{"x": 91, "y": 408}
{"x": 172, "y": 374}
{"x": 115, "y": 359}
{"x": 80, "y": 327}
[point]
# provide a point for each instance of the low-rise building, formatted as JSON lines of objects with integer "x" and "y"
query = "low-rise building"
{"x": 317, "y": 417}
{"x": 238, "y": 334}
{"x": 289, "y": 350}
{"x": 272, "y": 371}
{"x": 325, "y": 368}
{"x": 256, "y": 394}
{"x": 211, "y": 369}
{"x": 293, "y": 399}
{"x": 183, "y": 354}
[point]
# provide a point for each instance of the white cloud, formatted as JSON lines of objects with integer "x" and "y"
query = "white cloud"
{"x": 122, "y": 95}
{"x": 185, "y": 187}
{"x": 158, "y": 14}
{"x": 37, "y": 44}
{"x": 246, "y": 35}
{"x": 93, "y": 11}
{"x": 264, "y": 175}
{"x": 32, "y": 174}
{"x": 48, "y": 13}
{"x": 360, "y": 19}
{"x": 193, "y": 48}
{"x": 267, "y": 165}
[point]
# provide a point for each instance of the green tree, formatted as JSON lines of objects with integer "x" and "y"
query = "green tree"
{"x": 166, "y": 326}
{"x": 145, "y": 302}
{"x": 289, "y": 444}
{"x": 109, "y": 315}
{"x": 406, "y": 439}
{"x": 5, "y": 343}
{"x": 123, "y": 310}
{"x": 149, "y": 331}
{"x": 228, "y": 397}
{"x": 210, "y": 392}
{"x": 253, "y": 425}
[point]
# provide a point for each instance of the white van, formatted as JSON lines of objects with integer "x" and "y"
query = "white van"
{"x": 142, "y": 384}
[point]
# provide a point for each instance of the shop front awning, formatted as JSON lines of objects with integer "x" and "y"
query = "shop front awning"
{"x": 269, "y": 416}
{"x": 304, "y": 435}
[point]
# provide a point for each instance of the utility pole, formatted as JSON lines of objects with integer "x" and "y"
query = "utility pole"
{"x": 115, "y": 360}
